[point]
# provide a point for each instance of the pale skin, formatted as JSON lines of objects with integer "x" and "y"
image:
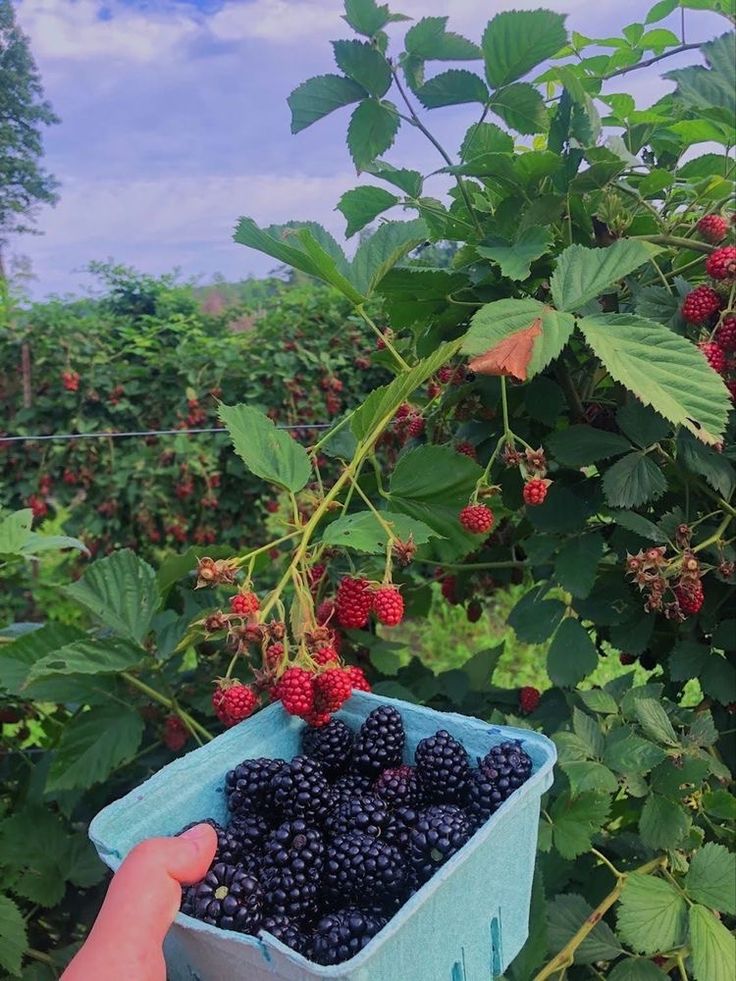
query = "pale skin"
{"x": 126, "y": 939}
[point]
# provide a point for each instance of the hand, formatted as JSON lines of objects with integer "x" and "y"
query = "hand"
{"x": 125, "y": 943}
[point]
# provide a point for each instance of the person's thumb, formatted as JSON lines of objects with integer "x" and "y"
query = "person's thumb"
{"x": 141, "y": 903}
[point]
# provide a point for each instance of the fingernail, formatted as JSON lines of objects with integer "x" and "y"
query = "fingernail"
{"x": 197, "y": 833}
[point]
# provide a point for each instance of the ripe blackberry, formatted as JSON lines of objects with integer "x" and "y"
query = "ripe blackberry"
{"x": 287, "y": 932}
{"x": 341, "y": 935}
{"x": 388, "y": 605}
{"x": 300, "y": 789}
{"x": 535, "y": 491}
{"x": 227, "y": 897}
{"x": 713, "y": 228}
{"x": 443, "y": 767}
{"x": 725, "y": 335}
{"x": 721, "y": 263}
{"x": 359, "y": 865}
{"x": 484, "y": 797}
{"x": 512, "y": 766}
{"x": 366, "y": 813}
{"x": 248, "y": 786}
{"x": 331, "y": 744}
{"x": 379, "y": 743}
{"x": 439, "y": 832}
{"x": 700, "y": 305}
{"x": 247, "y": 832}
{"x": 714, "y": 355}
{"x": 290, "y": 895}
{"x": 295, "y": 848}
{"x": 228, "y": 846}
{"x": 477, "y": 519}
{"x": 353, "y": 603}
{"x": 352, "y": 785}
{"x": 400, "y": 787}
{"x": 400, "y": 825}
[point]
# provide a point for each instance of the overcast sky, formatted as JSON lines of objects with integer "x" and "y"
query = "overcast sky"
{"x": 175, "y": 123}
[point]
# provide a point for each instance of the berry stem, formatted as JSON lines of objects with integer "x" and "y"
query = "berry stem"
{"x": 163, "y": 700}
{"x": 716, "y": 536}
{"x": 389, "y": 346}
{"x": 390, "y": 534}
{"x": 676, "y": 242}
{"x": 487, "y": 472}
{"x": 242, "y": 559}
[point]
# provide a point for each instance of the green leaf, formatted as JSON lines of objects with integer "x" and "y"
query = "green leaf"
{"x": 385, "y": 400}
{"x": 703, "y": 88}
{"x": 18, "y": 657}
{"x": 367, "y": 17}
{"x": 429, "y": 40}
{"x": 121, "y": 591}
{"x": 663, "y": 370}
{"x": 363, "y": 533}
{"x": 711, "y": 878}
{"x": 633, "y": 480}
{"x": 641, "y": 423}
{"x": 713, "y": 947}
{"x": 718, "y": 679}
{"x": 516, "y": 41}
{"x": 452, "y": 88}
{"x": 268, "y": 452}
{"x": 705, "y": 461}
{"x": 599, "y": 701}
{"x": 408, "y": 181}
{"x": 484, "y": 138}
{"x": 94, "y": 744}
{"x": 637, "y": 969}
{"x": 326, "y": 256}
{"x": 88, "y": 657}
{"x": 515, "y": 259}
{"x": 378, "y": 254}
{"x": 661, "y": 10}
{"x": 572, "y": 654}
{"x": 13, "y": 937}
{"x": 651, "y": 914}
{"x": 361, "y": 205}
{"x": 521, "y": 107}
{"x": 372, "y": 130}
{"x": 583, "y": 274}
{"x": 655, "y": 722}
{"x": 720, "y": 804}
{"x": 576, "y": 819}
{"x": 480, "y": 667}
{"x": 639, "y": 525}
{"x": 662, "y": 823}
{"x": 627, "y": 752}
{"x": 318, "y": 97}
{"x": 15, "y": 529}
{"x": 588, "y": 730}
{"x": 724, "y": 636}
{"x": 577, "y": 563}
{"x": 587, "y": 775}
{"x": 496, "y": 321}
{"x": 364, "y": 64}
{"x": 534, "y": 618}
{"x": 36, "y": 544}
{"x": 565, "y": 915}
{"x": 580, "y": 445}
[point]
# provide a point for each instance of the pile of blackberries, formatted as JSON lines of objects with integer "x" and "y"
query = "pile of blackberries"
{"x": 321, "y": 852}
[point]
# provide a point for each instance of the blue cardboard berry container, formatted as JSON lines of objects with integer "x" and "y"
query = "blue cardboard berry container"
{"x": 466, "y": 924}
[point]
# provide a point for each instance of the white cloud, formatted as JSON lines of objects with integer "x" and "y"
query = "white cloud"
{"x": 282, "y": 21}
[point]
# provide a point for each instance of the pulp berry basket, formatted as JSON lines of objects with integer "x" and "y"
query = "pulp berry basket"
{"x": 466, "y": 924}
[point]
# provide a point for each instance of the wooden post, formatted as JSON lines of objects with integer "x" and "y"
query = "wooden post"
{"x": 25, "y": 358}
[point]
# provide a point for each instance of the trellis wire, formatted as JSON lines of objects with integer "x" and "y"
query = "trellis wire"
{"x": 145, "y": 432}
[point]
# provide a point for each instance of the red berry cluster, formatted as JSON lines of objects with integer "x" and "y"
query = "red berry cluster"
{"x": 713, "y": 228}
{"x": 721, "y": 263}
{"x": 535, "y": 491}
{"x": 70, "y": 380}
{"x": 528, "y": 699}
{"x": 357, "y": 598}
{"x": 714, "y": 355}
{"x": 477, "y": 519}
{"x": 233, "y": 701}
{"x": 175, "y": 734}
{"x": 700, "y": 305}
{"x": 245, "y": 603}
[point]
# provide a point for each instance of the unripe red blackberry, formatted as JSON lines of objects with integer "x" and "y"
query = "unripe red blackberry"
{"x": 626, "y": 659}
{"x": 388, "y": 605}
{"x": 725, "y": 335}
{"x": 700, "y": 305}
{"x": 233, "y": 701}
{"x": 535, "y": 491}
{"x": 528, "y": 699}
{"x": 714, "y": 355}
{"x": 353, "y": 603}
{"x": 474, "y": 611}
{"x": 332, "y": 689}
{"x": 245, "y": 603}
{"x": 713, "y": 228}
{"x": 477, "y": 519}
{"x": 721, "y": 264}
{"x": 175, "y": 734}
{"x": 357, "y": 678}
{"x": 467, "y": 449}
{"x": 296, "y": 691}
{"x": 416, "y": 426}
{"x": 690, "y": 596}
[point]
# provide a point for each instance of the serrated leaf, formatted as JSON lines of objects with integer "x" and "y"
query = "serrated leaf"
{"x": 502, "y": 319}
{"x": 713, "y": 947}
{"x": 663, "y": 824}
{"x": 575, "y": 820}
{"x": 362, "y": 532}
{"x": 632, "y": 481}
{"x": 635, "y": 635}
{"x": 408, "y": 181}
{"x": 521, "y": 107}
{"x": 655, "y": 722}
{"x": 515, "y": 258}
{"x": 378, "y": 254}
{"x": 516, "y": 41}
{"x": 429, "y": 40}
{"x": 720, "y": 804}
{"x": 361, "y": 205}
{"x": 639, "y": 525}
{"x": 452, "y": 88}
{"x": 702, "y": 88}
{"x": 268, "y": 452}
{"x": 718, "y": 679}
{"x": 663, "y": 370}
{"x": 88, "y": 657}
{"x": 711, "y": 878}
{"x": 121, "y": 591}
{"x": 641, "y": 423}
{"x": 485, "y": 138}
{"x": 318, "y": 97}
{"x": 13, "y": 937}
{"x": 15, "y": 529}
{"x": 580, "y": 445}
{"x": 534, "y": 618}
{"x": 705, "y": 461}
{"x": 588, "y": 775}
{"x": 582, "y": 274}
{"x": 365, "y": 64}
{"x": 637, "y": 969}
{"x": 480, "y": 667}
{"x": 94, "y": 744}
{"x": 372, "y": 130}
{"x": 588, "y": 730}
{"x": 565, "y": 914}
{"x": 599, "y": 701}
{"x": 627, "y": 752}
{"x": 651, "y": 914}
{"x": 572, "y": 655}
{"x": 577, "y": 561}
{"x": 19, "y": 656}
{"x": 367, "y": 17}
